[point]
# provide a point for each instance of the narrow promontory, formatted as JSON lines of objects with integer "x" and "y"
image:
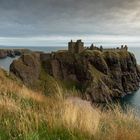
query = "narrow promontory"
{"x": 100, "y": 74}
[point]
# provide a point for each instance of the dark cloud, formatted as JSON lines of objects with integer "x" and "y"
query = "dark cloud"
{"x": 69, "y": 17}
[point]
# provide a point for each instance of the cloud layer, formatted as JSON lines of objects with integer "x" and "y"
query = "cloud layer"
{"x": 71, "y": 18}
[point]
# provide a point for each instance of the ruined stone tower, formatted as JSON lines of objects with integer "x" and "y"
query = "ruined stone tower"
{"x": 76, "y": 47}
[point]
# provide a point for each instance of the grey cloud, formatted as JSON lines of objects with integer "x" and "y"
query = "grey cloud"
{"x": 68, "y": 17}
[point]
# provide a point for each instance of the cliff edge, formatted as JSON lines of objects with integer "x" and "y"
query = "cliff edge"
{"x": 100, "y": 76}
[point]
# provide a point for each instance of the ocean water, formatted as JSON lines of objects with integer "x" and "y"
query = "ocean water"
{"x": 5, "y": 62}
{"x": 132, "y": 100}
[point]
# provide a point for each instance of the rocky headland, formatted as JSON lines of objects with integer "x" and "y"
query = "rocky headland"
{"x": 99, "y": 75}
{"x": 12, "y": 52}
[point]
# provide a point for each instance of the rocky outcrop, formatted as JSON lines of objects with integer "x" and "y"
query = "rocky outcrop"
{"x": 12, "y": 52}
{"x": 27, "y": 68}
{"x": 3, "y": 53}
{"x": 100, "y": 75}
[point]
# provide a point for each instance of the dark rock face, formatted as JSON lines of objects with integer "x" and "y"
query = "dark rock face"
{"x": 11, "y": 53}
{"x": 101, "y": 75}
{"x": 27, "y": 68}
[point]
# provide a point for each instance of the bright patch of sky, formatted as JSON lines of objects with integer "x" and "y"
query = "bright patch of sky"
{"x": 105, "y": 40}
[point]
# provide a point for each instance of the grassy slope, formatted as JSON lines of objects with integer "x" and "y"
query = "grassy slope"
{"x": 25, "y": 114}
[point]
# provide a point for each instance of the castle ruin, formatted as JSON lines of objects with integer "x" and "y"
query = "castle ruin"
{"x": 78, "y": 47}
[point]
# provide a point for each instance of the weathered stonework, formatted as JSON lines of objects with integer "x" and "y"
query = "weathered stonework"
{"x": 76, "y": 47}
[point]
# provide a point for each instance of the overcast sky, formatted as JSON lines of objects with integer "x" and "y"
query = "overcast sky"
{"x": 54, "y": 22}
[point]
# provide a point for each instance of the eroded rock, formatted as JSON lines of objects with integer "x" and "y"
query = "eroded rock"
{"x": 100, "y": 75}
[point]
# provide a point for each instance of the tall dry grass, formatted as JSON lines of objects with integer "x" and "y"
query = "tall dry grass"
{"x": 25, "y": 114}
{"x": 79, "y": 114}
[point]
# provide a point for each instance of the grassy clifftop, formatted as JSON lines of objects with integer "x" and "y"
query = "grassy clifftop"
{"x": 29, "y": 115}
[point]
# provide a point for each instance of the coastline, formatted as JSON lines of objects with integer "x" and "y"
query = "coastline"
{"x": 123, "y": 95}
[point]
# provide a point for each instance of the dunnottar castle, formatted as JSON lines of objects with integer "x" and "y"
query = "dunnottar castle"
{"x": 78, "y": 47}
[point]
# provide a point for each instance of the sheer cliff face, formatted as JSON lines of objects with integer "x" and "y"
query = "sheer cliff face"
{"x": 101, "y": 75}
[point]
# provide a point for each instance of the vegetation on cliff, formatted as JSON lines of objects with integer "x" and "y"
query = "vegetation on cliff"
{"x": 100, "y": 76}
{"x": 30, "y": 115}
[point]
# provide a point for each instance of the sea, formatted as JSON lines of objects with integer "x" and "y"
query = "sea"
{"x": 132, "y": 100}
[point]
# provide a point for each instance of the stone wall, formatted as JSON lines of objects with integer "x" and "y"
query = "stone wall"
{"x": 122, "y": 48}
{"x": 76, "y": 47}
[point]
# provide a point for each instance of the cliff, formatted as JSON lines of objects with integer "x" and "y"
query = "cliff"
{"x": 100, "y": 76}
{"x": 12, "y": 52}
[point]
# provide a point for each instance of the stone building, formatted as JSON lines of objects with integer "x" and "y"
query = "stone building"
{"x": 76, "y": 47}
{"x": 122, "y": 48}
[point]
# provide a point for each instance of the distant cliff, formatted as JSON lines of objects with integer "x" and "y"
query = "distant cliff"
{"x": 99, "y": 75}
{"x": 12, "y": 52}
